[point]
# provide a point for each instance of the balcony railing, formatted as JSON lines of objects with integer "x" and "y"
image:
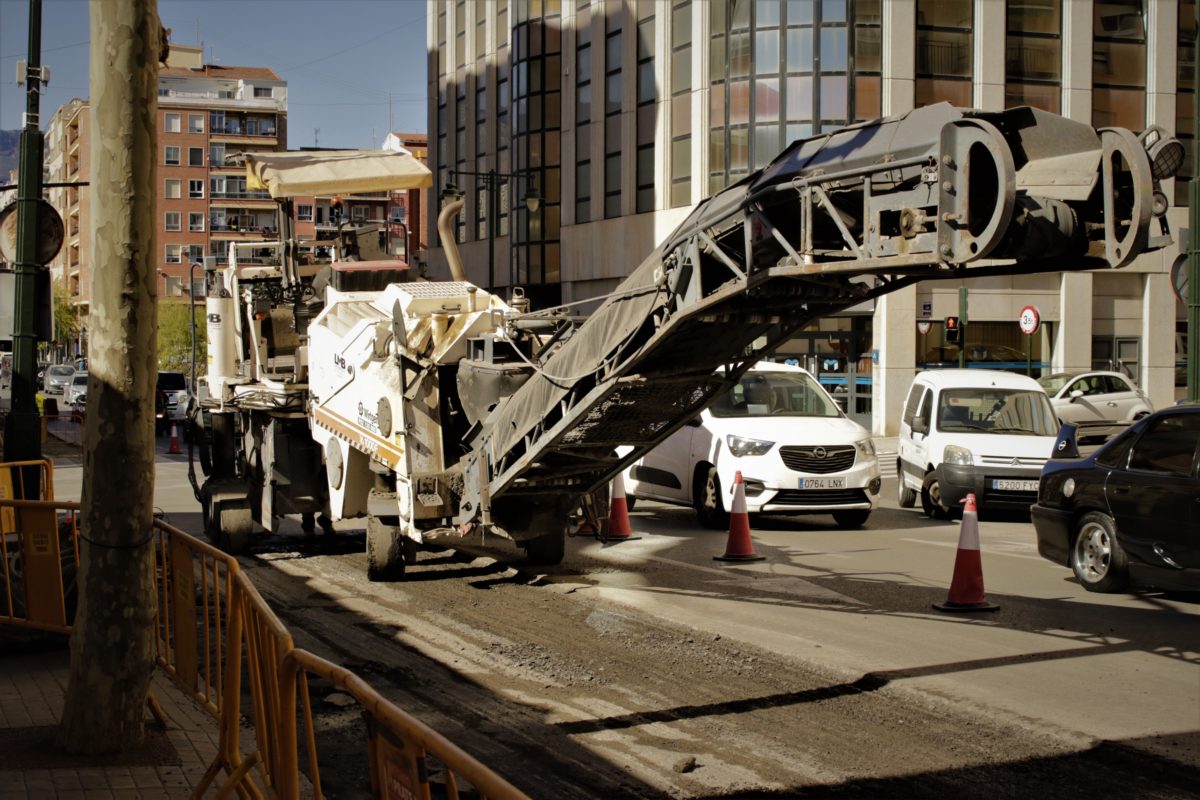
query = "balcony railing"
{"x": 237, "y": 130}
{"x": 226, "y": 227}
{"x": 252, "y": 195}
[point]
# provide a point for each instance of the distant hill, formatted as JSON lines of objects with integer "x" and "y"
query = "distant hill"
{"x": 8, "y": 153}
{"x": 9, "y": 144}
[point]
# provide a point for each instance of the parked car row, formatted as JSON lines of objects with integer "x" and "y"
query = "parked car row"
{"x": 1128, "y": 513}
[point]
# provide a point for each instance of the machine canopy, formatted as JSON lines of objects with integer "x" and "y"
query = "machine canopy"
{"x": 334, "y": 172}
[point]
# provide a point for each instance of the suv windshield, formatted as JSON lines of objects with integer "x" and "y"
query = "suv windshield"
{"x": 59, "y": 371}
{"x": 996, "y": 410}
{"x": 761, "y": 394}
{"x": 80, "y": 379}
{"x": 171, "y": 381}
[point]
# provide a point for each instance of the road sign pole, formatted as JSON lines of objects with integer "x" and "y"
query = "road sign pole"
{"x": 1193, "y": 306}
{"x": 22, "y": 435}
{"x": 962, "y": 327}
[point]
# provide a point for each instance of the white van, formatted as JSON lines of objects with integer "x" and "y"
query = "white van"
{"x": 973, "y": 431}
{"x": 796, "y": 450}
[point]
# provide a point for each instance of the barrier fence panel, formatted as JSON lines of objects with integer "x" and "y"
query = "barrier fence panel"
{"x": 195, "y": 601}
{"x": 404, "y": 754}
{"x": 208, "y": 611}
{"x": 266, "y": 641}
{"x": 37, "y": 546}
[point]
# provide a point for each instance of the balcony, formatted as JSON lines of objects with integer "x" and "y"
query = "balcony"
{"x": 243, "y": 195}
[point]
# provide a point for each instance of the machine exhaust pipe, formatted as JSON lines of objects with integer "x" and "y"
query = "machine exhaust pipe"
{"x": 446, "y": 231}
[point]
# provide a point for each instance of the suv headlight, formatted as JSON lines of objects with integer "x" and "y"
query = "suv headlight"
{"x": 957, "y": 455}
{"x": 740, "y": 446}
{"x": 866, "y": 447}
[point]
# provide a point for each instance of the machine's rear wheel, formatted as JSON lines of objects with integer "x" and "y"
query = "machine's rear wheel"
{"x": 228, "y": 527}
{"x": 389, "y": 551}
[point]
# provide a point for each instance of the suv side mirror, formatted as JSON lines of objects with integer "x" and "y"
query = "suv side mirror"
{"x": 920, "y": 425}
{"x": 1075, "y": 395}
{"x": 694, "y": 422}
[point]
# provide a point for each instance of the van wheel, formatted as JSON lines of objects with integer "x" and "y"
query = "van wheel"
{"x": 710, "y": 509}
{"x": 907, "y": 497}
{"x": 931, "y": 498}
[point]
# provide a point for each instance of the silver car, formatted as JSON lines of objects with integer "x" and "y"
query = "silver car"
{"x": 1095, "y": 397}
{"x": 58, "y": 378}
{"x": 77, "y": 389}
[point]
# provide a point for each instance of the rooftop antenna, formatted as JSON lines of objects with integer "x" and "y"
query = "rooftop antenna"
{"x": 316, "y": 137}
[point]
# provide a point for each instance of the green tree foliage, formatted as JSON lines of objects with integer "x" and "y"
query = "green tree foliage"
{"x": 66, "y": 317}
{"x": 175, "y": 338}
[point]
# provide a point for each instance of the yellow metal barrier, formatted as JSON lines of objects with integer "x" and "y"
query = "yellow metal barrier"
{"x": 208, "y": 611}
{"x": 195, "y": 605}
{"x": 36, "y": 546}
{"x": 266, "y": 641}
{"x": 399, "y": 745}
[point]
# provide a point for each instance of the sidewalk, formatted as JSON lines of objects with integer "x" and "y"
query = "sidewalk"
{"x": 169, "y": 765}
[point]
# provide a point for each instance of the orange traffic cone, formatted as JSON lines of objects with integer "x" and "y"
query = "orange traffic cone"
{"x": 966, "y": 587}
{"x": 174, "y": 447}
{"x": 739, "y": 547}
{"x": 619, "y": 529}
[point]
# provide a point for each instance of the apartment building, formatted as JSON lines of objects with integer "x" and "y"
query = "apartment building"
{"x": 407, "y": 232}
{"x": 208, "y": 115}
{"x": 623, "y": 114}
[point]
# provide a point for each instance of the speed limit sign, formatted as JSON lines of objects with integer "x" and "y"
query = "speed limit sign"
{"x": 1029, "y": 320}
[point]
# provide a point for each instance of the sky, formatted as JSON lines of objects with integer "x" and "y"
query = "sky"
{"x": 341, "y": 59}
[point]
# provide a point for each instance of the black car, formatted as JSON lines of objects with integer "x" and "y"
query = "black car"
{"x": 1129, "y": 512}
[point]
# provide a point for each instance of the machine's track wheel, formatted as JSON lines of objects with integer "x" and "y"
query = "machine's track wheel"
{"x": 389, "y": 551}
{"x": 228, "y": 527}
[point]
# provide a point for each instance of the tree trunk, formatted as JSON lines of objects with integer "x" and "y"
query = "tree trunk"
{"x": 112, "y": 645}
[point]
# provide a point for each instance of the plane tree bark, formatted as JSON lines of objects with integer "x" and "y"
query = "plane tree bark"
{"x": 112, "y": 644}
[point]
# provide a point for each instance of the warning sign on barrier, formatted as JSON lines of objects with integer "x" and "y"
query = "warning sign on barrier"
{"x": 398, "y": 771}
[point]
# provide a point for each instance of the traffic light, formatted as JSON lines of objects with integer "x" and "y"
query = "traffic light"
{"x": 953, "y": 330}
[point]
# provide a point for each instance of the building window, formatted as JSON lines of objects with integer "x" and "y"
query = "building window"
{"x": 1033, "y": 55}
{"x": 1119, "y": 64}
{"x": 216, "y": 121}
{"x": 195, "y": 254}
{"x": 304, "y": 212}
{"x": 583, "y": 119}
{"x": 779, "y": 72}
{"x": 195, "y": 156}
{"x": 195, "y": 123}
{"x": 1185, "y": 96}
{"x": 681, "y": 105}
{"x": 174, "y": 254}
{"x": 173, "y": 190}
{"x": 216, "y": 155}
{"x": 196, "y": 188}
{"x": 944, "y": 54}
{"x": 360, "y": 213}
{"x": 172, "y": 222}
{"x": 171, "y": 123}
{"x": 612, "y": 114}
{"x": 647, "y": 95}
{"x": 170, "y": 155}
{"x": 195, "y": 221}
{"x": 263, "y": 91}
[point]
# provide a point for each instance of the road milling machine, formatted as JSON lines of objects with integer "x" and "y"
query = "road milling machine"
{"x": 438, "y": 410}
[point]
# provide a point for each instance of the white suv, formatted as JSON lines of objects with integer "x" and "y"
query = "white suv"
{"x": 796, "y": 450}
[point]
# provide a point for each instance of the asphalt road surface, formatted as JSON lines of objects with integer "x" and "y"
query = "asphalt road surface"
{"x": 647, "y": 669}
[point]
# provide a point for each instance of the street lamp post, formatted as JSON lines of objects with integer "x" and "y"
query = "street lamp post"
{"x": 492, "y": 181}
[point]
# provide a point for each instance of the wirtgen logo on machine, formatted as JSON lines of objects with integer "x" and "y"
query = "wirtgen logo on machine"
{"x": 368, "y": 419}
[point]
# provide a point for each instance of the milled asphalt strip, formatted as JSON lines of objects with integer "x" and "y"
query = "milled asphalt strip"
{"x": 989, "y": 548}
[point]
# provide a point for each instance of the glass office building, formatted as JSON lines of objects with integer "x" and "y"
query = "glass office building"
{"x": 622, "y": 114}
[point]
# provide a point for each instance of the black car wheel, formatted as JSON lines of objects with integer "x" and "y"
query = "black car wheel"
{"x": 1097, "y": 558}
{"x": 709, "y": 508}
{"x": 931, "y": 498}
{"x": 904, "y": 495}
{"x": 852, "y": 517}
